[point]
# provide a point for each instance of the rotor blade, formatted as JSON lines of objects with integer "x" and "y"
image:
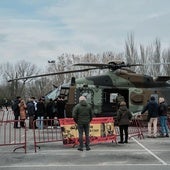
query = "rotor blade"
{"x": 111, "y": 65}
{"x": 157, "y": 63}
{"x": 99, "y": 65}
{"x": 51, "y": 74}
{"x": 131, "y": 65}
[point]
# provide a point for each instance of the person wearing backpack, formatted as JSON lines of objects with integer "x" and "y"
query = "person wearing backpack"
{"x": 152, "y": 108}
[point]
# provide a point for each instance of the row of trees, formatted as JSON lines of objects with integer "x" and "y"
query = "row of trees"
{"x": 155, "y": 62}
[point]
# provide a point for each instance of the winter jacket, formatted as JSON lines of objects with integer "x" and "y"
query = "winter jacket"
{"x": 30, "y": 108}
{"x": 15, "y": 107}
{"x": 82, "y": 113}
{"x": 40, "y": 109}
{"x": 123, "y": 116}
{"x": 22, "y": 107}
{"x": 163, "y": 109}
{"x": 152, "y": 108}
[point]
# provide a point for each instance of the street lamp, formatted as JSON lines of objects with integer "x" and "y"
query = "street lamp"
{"x": 51, "y": 61}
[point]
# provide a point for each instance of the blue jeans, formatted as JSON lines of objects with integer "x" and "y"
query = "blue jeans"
{"x": 84, "y": 128}
{"x": 164, "y": 125}
{"x": 40, "y": 122}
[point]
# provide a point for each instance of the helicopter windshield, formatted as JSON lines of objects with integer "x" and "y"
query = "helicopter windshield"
{"x": 54, "y": 93}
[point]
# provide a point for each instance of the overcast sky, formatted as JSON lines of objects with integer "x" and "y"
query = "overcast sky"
{"x": 40, "y": 30}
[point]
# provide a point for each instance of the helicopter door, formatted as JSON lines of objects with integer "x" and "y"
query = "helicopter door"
{"x": 113, "y": 97}
{"x": 109, "y": 106}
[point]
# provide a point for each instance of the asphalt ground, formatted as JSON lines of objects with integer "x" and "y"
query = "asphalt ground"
{"x": 147, "y": 153}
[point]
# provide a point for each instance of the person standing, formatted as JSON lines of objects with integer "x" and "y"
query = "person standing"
{"x": 82, "y": 115}
{"x": 16, "y": 111}
{"x": 152, "y": 108}
{"x": 50, "y": 112}
{"x": 60, "y": 107}
{"x": 22, "y": 108}
{"x": 119, "y": 99}
{"x": 31, "y": 112}
{"x": 162, "y": 111}
{"x": 123, "y": 117}
{"x": 40, "y": 113}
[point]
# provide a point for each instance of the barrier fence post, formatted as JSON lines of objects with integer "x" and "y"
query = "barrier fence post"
{"x": 49, "y": 133}
{"x": 13, "y": 136}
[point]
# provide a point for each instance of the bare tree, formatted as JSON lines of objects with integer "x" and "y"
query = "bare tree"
{"x": 21, "y": 69}
{"x": 157, "y": 57}
{"x": 131, "y": 54}
{"x": 39, "y": 88}
{"x": 166, "y": 61}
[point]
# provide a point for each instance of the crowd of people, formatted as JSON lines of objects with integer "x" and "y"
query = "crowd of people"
{"x": 37, "y": 110}
{"x": 157, "y": 113}
{"x": 82, "y": 115}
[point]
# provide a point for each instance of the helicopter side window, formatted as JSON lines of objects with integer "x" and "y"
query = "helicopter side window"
{"x": 113, "y": 97}
{"x": 64, "y": 93}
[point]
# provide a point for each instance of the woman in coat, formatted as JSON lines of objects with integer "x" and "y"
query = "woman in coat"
{"x": 22, "y": 109}
{"x": 123, "y": 117}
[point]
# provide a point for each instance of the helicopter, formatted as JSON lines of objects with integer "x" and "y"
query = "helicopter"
{"x": 101, "y": 91}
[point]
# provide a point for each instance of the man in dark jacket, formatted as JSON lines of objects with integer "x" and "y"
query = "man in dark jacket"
{"x": 31, "y": 112}
{"x": 15, "y": 108}
{"x": 123, "y": 117}
{"x": 40, "y": 113}
{"x": 152, "y": 108}
{"x": 82, "y": 115}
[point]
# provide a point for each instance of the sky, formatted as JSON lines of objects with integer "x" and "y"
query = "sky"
{"x": 40, "y": 30}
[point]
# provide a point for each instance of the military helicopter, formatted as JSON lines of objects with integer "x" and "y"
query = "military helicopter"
{"x": 102, "y": 91}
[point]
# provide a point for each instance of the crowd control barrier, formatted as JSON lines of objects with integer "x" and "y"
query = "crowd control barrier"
{"x": 48, "y": 132}
{"x": 12, "y": 136}
{"x": 2, "y": 112}
{"x": 101, "y": 130}
{"x": 6, "y": 115}
{"x": 134, "y": 129}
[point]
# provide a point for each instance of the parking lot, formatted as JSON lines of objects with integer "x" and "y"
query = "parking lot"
{"x": 147, "y": 153}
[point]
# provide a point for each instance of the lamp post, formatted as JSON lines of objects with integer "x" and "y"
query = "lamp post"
{"x": 51, "y": 61}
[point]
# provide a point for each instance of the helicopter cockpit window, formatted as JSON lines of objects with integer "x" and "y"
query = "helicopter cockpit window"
{"x": 64, "y": 92}
{"x": 53, "y": 94}
{"x": 113, "y": 97}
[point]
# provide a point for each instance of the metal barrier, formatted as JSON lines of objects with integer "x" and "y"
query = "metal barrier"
{"x": 49, "y": 132}
{"x": 9, "y": 115}
{"x": 6, "y": 115}
{"x": 134, "y": 129}
{"x": 101, "y": 130}
{"x": 2, "y": 112}
{"x": 67, "y": 133}
{"x": 11, "y": 135}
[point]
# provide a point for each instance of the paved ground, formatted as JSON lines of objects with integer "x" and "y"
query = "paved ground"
{"x": 147, "y": 153}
